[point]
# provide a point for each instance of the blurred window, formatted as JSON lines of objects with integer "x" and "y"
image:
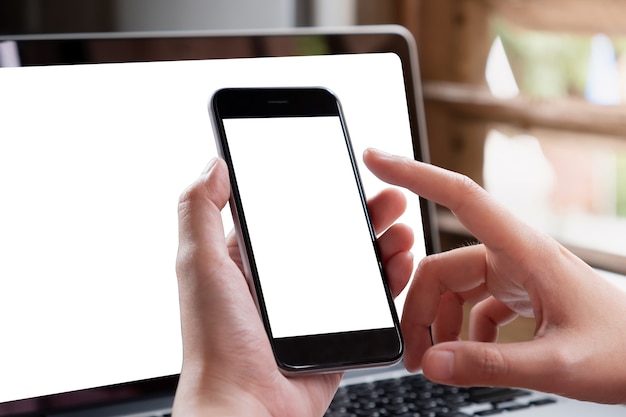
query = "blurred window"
{"x": 567, "y": 180}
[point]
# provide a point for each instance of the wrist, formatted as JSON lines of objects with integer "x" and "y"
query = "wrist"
{"x": 201, "y": 395}
{"x": 225, "y": 404}
{"x": 207, "y": 408}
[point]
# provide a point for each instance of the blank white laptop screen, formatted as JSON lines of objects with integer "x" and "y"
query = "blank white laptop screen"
{"x": 93, "y": 159}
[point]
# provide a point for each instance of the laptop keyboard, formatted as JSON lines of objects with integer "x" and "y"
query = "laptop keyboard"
{"x": 415, "y": 396}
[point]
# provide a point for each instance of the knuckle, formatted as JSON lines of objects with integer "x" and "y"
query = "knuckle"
{"x": 190, "y": 194}
{"x": 467, "y": 185}
{"x": 192, "y": 199}
{"x": 491, "y": 365}
{"x": 425, "y": 271}
{"x": 428, "y": 264}
{"x": 466, "y": 189}
{"x": 563, "y": 359}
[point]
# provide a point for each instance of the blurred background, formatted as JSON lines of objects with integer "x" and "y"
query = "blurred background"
{"x": 46, "y": 16}
{"x": 525, "y": 96}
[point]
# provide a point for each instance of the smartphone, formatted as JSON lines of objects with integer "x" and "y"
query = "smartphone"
{"x": 308, "y": 246}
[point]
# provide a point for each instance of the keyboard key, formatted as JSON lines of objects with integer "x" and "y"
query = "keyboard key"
{"x": 543, "y": 401}
{"x": 490, "y": 412}
{"x": 494, "y": 395}
{"x": 415, "y": 396}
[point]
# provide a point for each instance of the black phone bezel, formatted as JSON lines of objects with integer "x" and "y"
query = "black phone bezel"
{"x": 310, "y": 353}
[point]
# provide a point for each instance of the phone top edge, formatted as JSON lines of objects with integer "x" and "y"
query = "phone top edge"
{"x": 259, "y": 102}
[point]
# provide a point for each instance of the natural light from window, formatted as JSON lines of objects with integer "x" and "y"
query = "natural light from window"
{"x": 570, "y": 184}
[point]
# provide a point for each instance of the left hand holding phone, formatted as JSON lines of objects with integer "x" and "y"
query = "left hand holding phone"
{"x": 228, "y": 365}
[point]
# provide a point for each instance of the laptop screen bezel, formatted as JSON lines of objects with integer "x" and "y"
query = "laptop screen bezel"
{"x": 69, "y": 49}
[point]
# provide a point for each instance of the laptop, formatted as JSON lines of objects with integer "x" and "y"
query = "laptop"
{"x": 99, "y": 135}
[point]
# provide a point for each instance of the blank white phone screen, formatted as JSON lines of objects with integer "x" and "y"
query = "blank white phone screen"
{"x": 308, "y": 230}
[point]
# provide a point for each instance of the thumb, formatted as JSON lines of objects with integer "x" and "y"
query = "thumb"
{"x": 199, "y": 210}
{"x": 465, "y": 363}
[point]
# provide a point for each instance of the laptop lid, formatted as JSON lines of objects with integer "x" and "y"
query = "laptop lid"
{"x": 100, "y": 133}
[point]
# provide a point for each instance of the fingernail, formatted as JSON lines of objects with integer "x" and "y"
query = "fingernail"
{"x": 379, "y": 153}
{"x": 209, "y": 165}
{"x": 441, "y": 365}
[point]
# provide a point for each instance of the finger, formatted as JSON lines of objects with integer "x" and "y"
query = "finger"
{"x": 199, "y": 210}
{"x": 209, "y": 295}
{"x": 398, "y": 270}
{"x": 233, "y": 248}
{"x": 385, "y": 208}
{"x": 395, "y": 245}
{"x": 398, "y": 238}
{"x": 486, "y": 318}
{"x": 204, "y": 264}
{"x": 479, "y": 213}
{"x": 450, "y": 316}
{"x": 461, "y": 271}
{"x": 449, "y": 321}
{"x": 530, "y": 364}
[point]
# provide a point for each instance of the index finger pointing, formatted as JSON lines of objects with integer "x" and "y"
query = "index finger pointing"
{"x": 476, "y": 210}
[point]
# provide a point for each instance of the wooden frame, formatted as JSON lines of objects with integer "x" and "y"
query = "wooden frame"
{"x": 454, "y": 40}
